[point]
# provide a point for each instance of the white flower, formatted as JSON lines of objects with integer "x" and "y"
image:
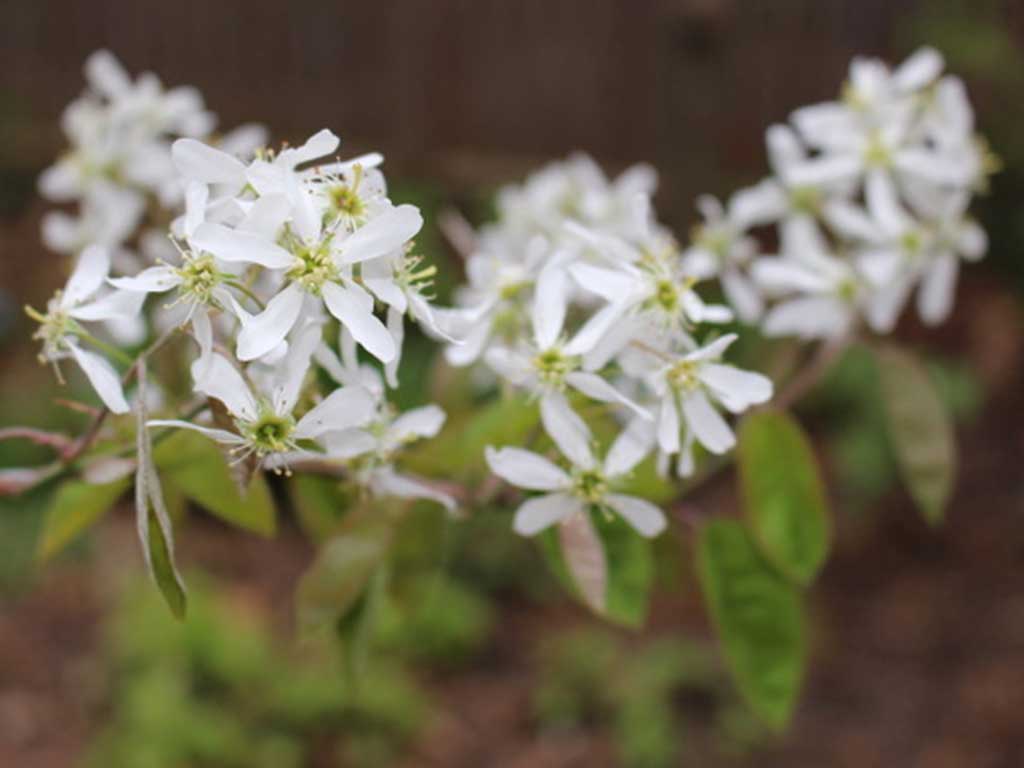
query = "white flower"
{"x": 690, "y": 385}
{"x": 60, "y": 330}
{"x": 588, "y": 484}
{"x": 263, "y": 418}
{"x": 721, "y": 248}
{"x": 551, "y": 365}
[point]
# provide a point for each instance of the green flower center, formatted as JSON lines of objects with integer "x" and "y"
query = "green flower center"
{"x": 314, "y": 266}
{"x": 847, "y": 291}
{"x": 53, "y": 326}
{"x": 666, "y": 295}
{"x": 683, "y": 375}
{"x": 876, "y": 154}
{"x": 590, "y": 485}
{"x": 552, "y": 366}
{"x": 270, "y": 433}
{"x": 805, "y": 200}
{"x": 912, "y": 243}
{"x": 345, "y": 202}
{"x": 199, "y": 276}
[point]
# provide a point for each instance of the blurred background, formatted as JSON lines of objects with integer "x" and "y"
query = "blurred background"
{"x": 917, "y": 637}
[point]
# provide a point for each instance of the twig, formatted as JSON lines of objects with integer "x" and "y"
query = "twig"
{"x": 811, "y": 374}
{"x": 56, "y": 440}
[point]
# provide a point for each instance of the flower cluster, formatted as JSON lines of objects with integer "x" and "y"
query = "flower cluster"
{"x": 869, "y": 197}
{"x": 267, "y": 256}
{"x": 577, "y": 294}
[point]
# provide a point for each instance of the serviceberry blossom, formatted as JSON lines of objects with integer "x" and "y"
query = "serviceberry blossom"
{"x": 262, "y": 411}
{"x": 585, "y": 485}
{"x": 83, "y": 300}
{"x": 870, "y": 196}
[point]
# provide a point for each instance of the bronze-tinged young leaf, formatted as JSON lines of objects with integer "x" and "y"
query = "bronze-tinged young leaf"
{"x": 583, "y": 554}
{"x": 339, "y": 575}
{"x": 196, "y": 467}
{"x": 629, "y": 566}
{"x": 920, "y": 429}
{"x": 759, "y": 617}
{"x": 783, "y": 495}
{"x": 76, "y": 506}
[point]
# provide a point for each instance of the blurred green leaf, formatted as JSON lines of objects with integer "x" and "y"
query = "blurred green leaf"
{"x": 629, "y": 563}
{"x": 196, "y": 467}
{"x": 75, "y": 507}
{"x": 783, "y": 495}
{"x": 458, "y": 451}
{"x": 759, "y": 617}
{"x": 920, "y": 429}
{"x": 320, "y": 503}
{"x": 161, "y": 563}
{"x": 339, "y": 575}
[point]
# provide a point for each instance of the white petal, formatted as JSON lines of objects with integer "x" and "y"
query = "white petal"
{"x": 919, "y": 70}
{"x": 593, "y": 386}
{"x": 707, "y": 424}
{"x": 829, "y": 170}
{"x": 647, "y": 519}
{"x": 742, "y": 295}
{"x": 382, "y": 234}
{"x": 105, "y": 73}
{"x": 199, "y": 162}
{"x": 222, "y": 381}
{"x": 114, "y": 305}
{"x": 935, "y": 298}
{"x": 972, "y": 241}
{"x": 90, "y": 271}
{"x": 595, "y": 328}
{"x": 566, "y": 429}
{"x": 550, "y": 302}
{"x": 880, "y": 193}
{"x": 292, "y": 371}
{"x": 234, "y": 245}
{"x": 103, "y": 377}
{"x": 668, "y": 424}
{"x": 389, "y": 483}
{"x": 419, "y": 422}
{"x": 349, "y": 306}
{"x": 266, "y": 217}
{"x": 736, "y": 389}
{"x": 343, "y": 408}
{"x": 534, "y": 515}
{"x": 261, "y": 333}
{"x": 784, "y": 148}
{"x": 761, "y": 204}
{"x": 713, "y": 350}
{"x": 609, "y": 284}
{"x": 220, "y": 435}
{"x": 526, "y": 469}
{"x": 808, "y": 317}
{"x": 202, "y": 331}
{"x": 629, "y": 448}
{"x": 152, "y": 280}
{"x": 320, "y": 144}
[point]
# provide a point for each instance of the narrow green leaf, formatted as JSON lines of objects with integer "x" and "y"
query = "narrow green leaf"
{"x": 339, "y": 575}
{"x": 357, "y": 627}
{"x": 920, "y": 429}
{"x": 76, "y": 506}
{"x": 196, "y": 467}
{"x": 783, "y": 494}
{"x": 152, "y": 520}
{"x": 759, "y": 617}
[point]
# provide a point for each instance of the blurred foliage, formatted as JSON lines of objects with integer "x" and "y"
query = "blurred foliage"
{"x": 849, "y": 400}
{"x": 980, "y": 45}
{"x": 645, "y": 694}
{"x": 218, "y": 690}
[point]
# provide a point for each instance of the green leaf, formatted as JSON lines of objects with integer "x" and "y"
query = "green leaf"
{"x": 339, "y": 575}
{"x": 196, "y": 467}
{"x": 320, "y": 504}
{"x": 152, "y": 520}
{"x": 783, "y": 494}
{"x": 357, "y": 627}
{"x": 920, "y": 429}
{"x": 76, "y": 506}
{"x": 759, "y": 617}
{"x": 629, "y": 561}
